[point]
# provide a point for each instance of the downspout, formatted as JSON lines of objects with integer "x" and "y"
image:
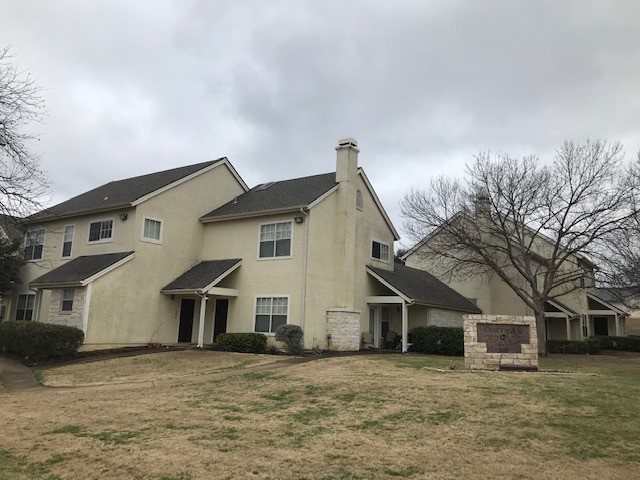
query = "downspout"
{"x": 304, "y": 267}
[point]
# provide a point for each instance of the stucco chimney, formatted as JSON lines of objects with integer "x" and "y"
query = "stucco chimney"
{"x": 347, "y": 160}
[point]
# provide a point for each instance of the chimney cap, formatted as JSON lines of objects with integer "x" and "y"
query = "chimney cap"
{"x": 348, "y": 142}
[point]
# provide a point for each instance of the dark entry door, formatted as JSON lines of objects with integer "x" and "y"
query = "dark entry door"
{"x": 220, "y": 317}
{"x": 187, "y": 307}
{"x": 600, "y": 326}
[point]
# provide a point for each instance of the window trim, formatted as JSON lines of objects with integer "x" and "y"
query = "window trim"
{"x": 151, "y": 239}
{"x": 64, "y": 311}
{"x": 73, "y": 234}
{"x": 388, "y": 260}
{"x": 283, "y": 257}
{"x": 26, "y": 237}
{"x": 271, "y": 296}
{"x": 102, "y": 240}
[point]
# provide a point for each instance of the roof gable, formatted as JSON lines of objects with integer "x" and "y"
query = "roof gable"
{"x": 422, "y": 288}
{"x": 124, "y": 193}
{"x": 81, "y": 270}
{"x": 271, "y": 197}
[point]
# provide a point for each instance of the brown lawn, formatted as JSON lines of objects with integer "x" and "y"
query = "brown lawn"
{"x": 360, "y": 417}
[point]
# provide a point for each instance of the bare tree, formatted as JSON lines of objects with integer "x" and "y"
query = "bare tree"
{"x": 22, "y": 182}
{"x": 538, "y": 227}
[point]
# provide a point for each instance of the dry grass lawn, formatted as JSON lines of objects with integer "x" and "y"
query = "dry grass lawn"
{"x": 359, "y": 417}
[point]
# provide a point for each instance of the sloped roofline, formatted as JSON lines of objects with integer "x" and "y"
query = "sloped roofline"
{"x": 607, "y": 304}
{"x": 221, "y": 161}
{"x": 373, "y": 193}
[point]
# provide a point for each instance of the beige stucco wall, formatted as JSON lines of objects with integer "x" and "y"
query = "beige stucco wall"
{"x": 126, "y": 305}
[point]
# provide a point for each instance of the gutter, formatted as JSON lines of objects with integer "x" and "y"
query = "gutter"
{"x": 304, "y": 267}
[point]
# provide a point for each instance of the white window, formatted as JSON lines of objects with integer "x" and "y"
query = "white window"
{"x": 271, "y": 312}
{"x": 66, "y": 305}
{"x": 34, "y": 244}
{"x": 275, "y": 240}
{"x": 67, "y": 241}
{"x": 379, "y": 250}
{"x": 152, "y": 230}
{"x": 101, "y": 231}
{"x": 24, "y": 311}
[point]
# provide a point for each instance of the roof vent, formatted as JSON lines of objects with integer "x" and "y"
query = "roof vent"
{"x": 264, "y": 186}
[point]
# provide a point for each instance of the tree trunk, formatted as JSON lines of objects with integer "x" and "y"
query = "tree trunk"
{"x": 541, "y": 327}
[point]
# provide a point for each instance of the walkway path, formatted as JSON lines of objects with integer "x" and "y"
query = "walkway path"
{"x": 17, "y": 377}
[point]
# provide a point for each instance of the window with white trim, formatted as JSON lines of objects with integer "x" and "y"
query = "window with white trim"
{"x": 34, "y": 244}
{"x": 275, "y": 240}
{"x": 67, "y": 241}
{"x": 271, "y": 312}
{"x": 152, "y": 230}
{"x": 66, "y": 304}
{"x": 379, "y": 251}
{"x": 359, "y": 200}
{"x": 26, "y": 303}
{"x": 101, "y": 231}
{"x": 585, "y": 328}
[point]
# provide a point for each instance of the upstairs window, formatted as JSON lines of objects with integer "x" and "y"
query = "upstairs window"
{"x": 271, "y": 312}
{"x": 66, "y": 305}
{"x": 379, "y": 251}
{"x": 275, "y": 240}
{"x": 34, "y": 244}
{"x": 101, "y": 231}
{"x": 24, "y": 310}
{"x": 67, "y": 241}
{"x": 152, "y": 230}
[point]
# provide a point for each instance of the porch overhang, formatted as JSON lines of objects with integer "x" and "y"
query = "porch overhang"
{"x": 203, "y": 278}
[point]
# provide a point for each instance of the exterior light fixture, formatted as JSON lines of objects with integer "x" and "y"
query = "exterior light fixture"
{"x": 123, "y": 216}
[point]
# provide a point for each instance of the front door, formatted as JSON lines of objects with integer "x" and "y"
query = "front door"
{"x": 220, "y": 317}
{"x": 187, "y": 308}
{"x": 600, "y": 326}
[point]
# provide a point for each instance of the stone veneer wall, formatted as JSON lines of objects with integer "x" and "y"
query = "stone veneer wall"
{"x": 476, "y": 356}
{"x": 72, "y": 318}
{"x": 344, "y": 327}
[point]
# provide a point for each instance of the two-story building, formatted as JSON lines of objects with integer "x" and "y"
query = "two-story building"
{"x": 186, "y": 254}
{"x": 575, "y": 311}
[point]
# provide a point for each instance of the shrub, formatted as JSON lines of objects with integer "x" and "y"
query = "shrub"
{"x": 626, "y": 344}
{"x": 291, "y": 336}
{"x": 242, "y": 342}
{"x": 589, "y": 346}
{"x": 39, "y": 341}
{"x": 438, "y": 340}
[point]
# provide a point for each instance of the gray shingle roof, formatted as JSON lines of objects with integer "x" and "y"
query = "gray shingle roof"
{"x": 202, "y": 275}
{"x": 118, "y": 194}
{"x": 278, "y": 196}
{"x": 77, "y": 270}
{"x": 424, "y": 288}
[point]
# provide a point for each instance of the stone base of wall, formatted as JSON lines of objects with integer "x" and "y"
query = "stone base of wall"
{"x": 476, "y": 356}
{"x": 74, "y": 317}
{"x": 343, "y": 329}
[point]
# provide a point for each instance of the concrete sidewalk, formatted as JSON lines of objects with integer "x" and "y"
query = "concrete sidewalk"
{"x": 16, "y": 377}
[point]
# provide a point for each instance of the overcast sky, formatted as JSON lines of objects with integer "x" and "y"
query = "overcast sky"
{"x": 134, "y": 87}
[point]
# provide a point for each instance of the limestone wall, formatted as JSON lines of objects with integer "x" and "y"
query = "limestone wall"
{"x": 343, "y": 325}
{"x": 497, "y": 352}
{"x": 72, "y": 318}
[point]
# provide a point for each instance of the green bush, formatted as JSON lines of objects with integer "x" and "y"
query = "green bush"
{"x": 438, "y": 340}
{"x": 626, "y": 344}
{"x": 39, "y": 341}
{"x": 291, "y": 336}
{"x": 589, "y": 346}
{"x": 242, "y": 342}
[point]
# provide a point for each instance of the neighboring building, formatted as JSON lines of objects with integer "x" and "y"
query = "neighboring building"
{"x": 186, "y": 254}
{"x": 573, "y": 314}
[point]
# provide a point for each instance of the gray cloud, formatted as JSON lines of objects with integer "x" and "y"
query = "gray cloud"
{"x": 133, "y": 87}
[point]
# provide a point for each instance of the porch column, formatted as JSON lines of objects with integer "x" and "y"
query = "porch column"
{"x": 589, "y": 326}
{"x": 405, "y": 325}
{"x": 618, "y": 333}
{"x": 568, "y": 323}
{"x": 203, "y": 307}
